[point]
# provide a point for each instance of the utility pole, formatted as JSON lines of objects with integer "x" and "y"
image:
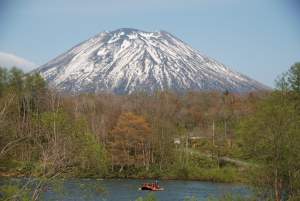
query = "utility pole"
{"x": 213, "y": 139}
{"x": 186, "y": 148}
{"x": 213, "y": 133}
{"x": 225, "y": 129}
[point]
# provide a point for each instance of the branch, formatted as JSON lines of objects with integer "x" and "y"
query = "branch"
{"x": 5, "y": 106}
{"x": 10, "y": 145}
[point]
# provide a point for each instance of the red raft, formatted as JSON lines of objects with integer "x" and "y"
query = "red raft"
{"x": 151, "y": 187}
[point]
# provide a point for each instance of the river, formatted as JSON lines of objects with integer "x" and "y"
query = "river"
{"x": 127, "y": 190}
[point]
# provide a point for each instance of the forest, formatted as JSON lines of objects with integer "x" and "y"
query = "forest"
{"x": 251, "y": 138}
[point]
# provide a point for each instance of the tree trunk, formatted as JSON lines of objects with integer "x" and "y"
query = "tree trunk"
{"x": 121, "y": 168}
{"x": 277, "y": 186}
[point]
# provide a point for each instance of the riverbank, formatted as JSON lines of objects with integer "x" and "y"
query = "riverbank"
{"x": 224, "y": 175}
{"x": 198, "y": 168}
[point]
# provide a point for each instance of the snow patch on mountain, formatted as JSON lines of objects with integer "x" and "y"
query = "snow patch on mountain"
{"x": 128, "y": 60}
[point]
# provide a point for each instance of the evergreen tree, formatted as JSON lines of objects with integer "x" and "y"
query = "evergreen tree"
{"x": 294, "y": 77}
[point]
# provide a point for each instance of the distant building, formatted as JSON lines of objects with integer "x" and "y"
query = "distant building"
{"x": 177, "y": 141}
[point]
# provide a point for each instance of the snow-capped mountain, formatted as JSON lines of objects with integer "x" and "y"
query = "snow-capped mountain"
{"x": 128, "y": 60}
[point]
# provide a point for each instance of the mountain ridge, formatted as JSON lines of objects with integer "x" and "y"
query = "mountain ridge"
{"x": 128, "y": 60}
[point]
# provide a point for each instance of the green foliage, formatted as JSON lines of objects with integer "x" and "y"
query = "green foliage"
{"x": 294, "y": 77}
{"x": 92, "y": 157}
{"x": 46, "y": 134}
{"x": 3, "y": 80}
{"x": 271, "y": 136}
{"x": 14, "y": 192}
{"x": 15, "y": 80}
{"x": 83, "y": 154}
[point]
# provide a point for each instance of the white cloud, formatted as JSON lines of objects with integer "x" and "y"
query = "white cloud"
{"x": 8, "y": 60}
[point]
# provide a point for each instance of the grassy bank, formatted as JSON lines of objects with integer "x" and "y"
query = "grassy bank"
{"x": 191, "y": 171}
{"x": 226, "y": 174}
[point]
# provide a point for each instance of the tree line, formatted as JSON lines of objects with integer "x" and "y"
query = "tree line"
{"x": 47, "y": 134}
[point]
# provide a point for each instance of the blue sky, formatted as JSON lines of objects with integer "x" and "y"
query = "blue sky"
{"x": 259, "y": 38}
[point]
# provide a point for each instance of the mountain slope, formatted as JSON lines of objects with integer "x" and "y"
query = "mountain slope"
{"x": 128, "y": 60}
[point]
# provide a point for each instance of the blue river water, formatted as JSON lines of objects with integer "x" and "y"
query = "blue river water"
{"x": 127, "y": 190}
